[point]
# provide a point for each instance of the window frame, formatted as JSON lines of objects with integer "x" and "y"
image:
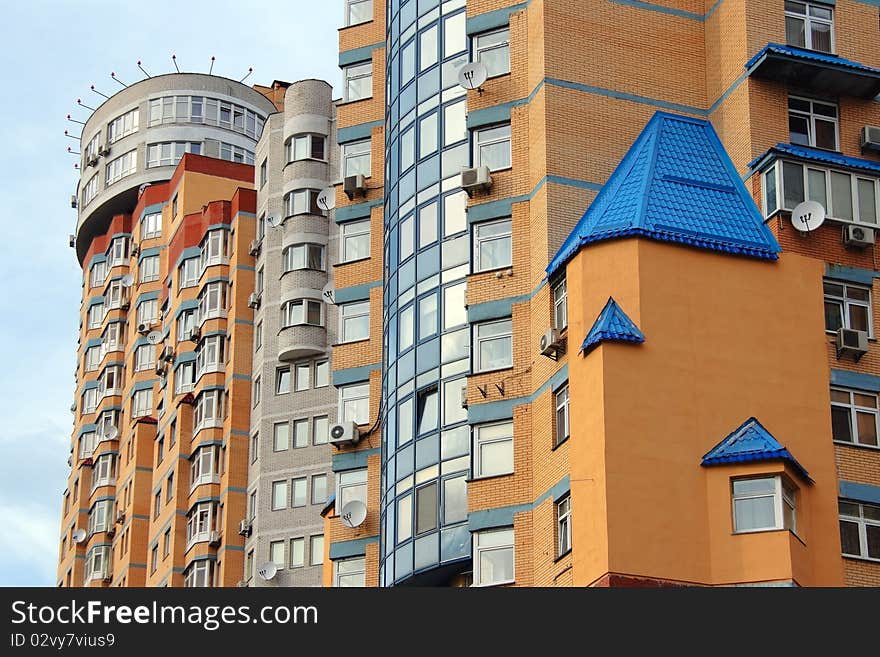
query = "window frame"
{"x": 478, "y": 551}
{"x": 844, "y": 302}
{"x": 477, "y": 50}
{"x": 781, "y": 485}
{"x": 479, "y": 144}
{"x": 346, "y": 401}
{"x": 478, "y": 341}
{"x": 353, "y": 230}
{"x": 854, "y": 409}
{"x": 354, "y": 311}
{"x": 347, "y": 21}
{"x": 355, "y": 150}
{"x": 479, "y": 242}
{"x": 808, "y": 20}
{"x": 287, "y": 312}
{"x": 478, "y": 469}
{"x": 352, "y": 74}
{"x": 862, "y": 522}
{"x": 563, "y": 525}
{"x": 811, "y": 116}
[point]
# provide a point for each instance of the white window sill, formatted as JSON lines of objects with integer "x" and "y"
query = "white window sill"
{"x": 202, "y": 481}
{"x": 198, "y": 538}
{"x": 491, "y": 584}
{"x": 857, "y": 445}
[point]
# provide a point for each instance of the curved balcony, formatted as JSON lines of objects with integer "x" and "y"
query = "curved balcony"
{"x": 301, "y": 341}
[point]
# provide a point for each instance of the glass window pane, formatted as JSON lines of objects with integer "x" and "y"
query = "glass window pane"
{"x": 794, "y": 31}
{"x": 754, "y": 486}
{"x": 833, "y": 315}
{"x": 867, "y": 423}
{"x": 872, "y": 534}
{"x": 755, "y": 513}
{"x": 826, "y": 134}
{"x": 840, "y": 424}
{"x": 867, "y": 201}
{"x": 821, "y": 36}
{"x": 496, "y": 565}
{"x": 792, "y": 184}
{"x": 799, "y": 129}
{"x": 841, "y": 196}
{"x": 849, "y": 538}
{"x": 816, "y": 184}
{"x": 426, "y": 508}
{"x": 858, "y": 317}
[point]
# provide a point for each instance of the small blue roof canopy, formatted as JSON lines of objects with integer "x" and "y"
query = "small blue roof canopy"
{"x": 612, "y": 325}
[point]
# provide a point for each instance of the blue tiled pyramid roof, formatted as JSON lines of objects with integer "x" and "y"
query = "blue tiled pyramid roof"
{"x": 811, "y": 55}
{"x": 612, "y": 324}
{"x": 675, "y": 184}
{"x": 751, "y": 442}
{"x": 815, "y": 155}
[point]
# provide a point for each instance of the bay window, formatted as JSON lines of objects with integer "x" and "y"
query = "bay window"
{"x": 210, "y": 355}
{"x": 302, "y": 311}
{"x": 205, "y": 466}
{"x": 212, "y": 301}
{"x": 199, "y": 574}
{"x": 303, "y": 256}
{"x": 200, "y": 522}
{"x": 763, "y": 504}
{"x": 208, "y": 411}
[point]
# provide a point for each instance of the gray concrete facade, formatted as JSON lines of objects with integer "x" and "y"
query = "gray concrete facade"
{"x": 309, "y": 110}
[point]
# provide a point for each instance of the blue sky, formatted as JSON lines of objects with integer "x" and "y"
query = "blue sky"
{"x": 52, "y": 52}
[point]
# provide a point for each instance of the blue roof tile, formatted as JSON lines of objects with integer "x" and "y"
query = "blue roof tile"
{"x": 816, "y": 155}
{"x": 748, "y": 443}
{"x": 612, "y": 324}
{"x": 675, "y": 184}
{"x": 811, "y": 55}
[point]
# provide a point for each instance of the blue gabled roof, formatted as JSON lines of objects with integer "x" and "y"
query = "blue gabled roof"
{"x": 816, "y": 155}
{"x": 811, "y": 55}
{"x": 612, "y": 324}
{"x": 751, "y": 442}
{"x": 675, "y": 184}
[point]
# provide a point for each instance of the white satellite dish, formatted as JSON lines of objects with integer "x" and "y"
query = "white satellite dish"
{"x": 273, "y": 221}
{"x": 127, "y": 280}
{"x": 268, "y": 570}
{"x": 328, "y": 294}
{"x": 473, "y": 76}
{"x": 79, "y": 535}
{"x": 808, "y": 216}
{"x": 111, "y": 433}
{"x": 154, "y": 337}
{"x": 327, "y": 199}
{"x": 354, "y": 513}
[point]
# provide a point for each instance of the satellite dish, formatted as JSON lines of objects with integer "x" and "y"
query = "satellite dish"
{"x": 127, "y": 280}
{"x": 807, "y": 216}
{"x": 268, "y": 570}
{"x": 79, "y": 535}
{"x": 273, "y": 221}
{"x": 354, "y": 513}
{"x": 328, "y": 294}
{"x": 472, "y": 76}
{"x": 111, "y": 433}
{"x": 327, "y": 199}
{"x": 154, "y": 337}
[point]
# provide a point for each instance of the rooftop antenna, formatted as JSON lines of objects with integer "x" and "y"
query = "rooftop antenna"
{"x": 67, "y": 134}
{"x": 73, "y": 120}
{"x": 212, "y": 65}
{"x": 174, "y": 59}
{"x": 113, "y": 75}
{"x": 100, "y": 93}
{"x": 144, "y": 70}
{"x": 250, "y": 70}
{"x": 82, "y": 104}
{"x": 73, "y": 152}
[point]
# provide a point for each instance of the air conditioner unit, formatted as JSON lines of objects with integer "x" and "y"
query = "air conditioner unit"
{"x": 168, "y": 354}
{"x": 120, "y": 516}
{"x": 71, "y": 240}
{"x": 551, "y": 343}
{"x": 870, "y": 138}
{"x": 125, "y": 305}
{"x": 214, "y": 539}
{"x": 107, "y": 578}
{"x": 244, "y": 528}
{"x": 70, "y": 461}
{"x": 93, "y": 161}
{"x": 160, "y": 369}
{"x": 104, "y": 151}
{"x": 194, "y": 334}
{"x": 73, "y": 202}
{"x": 135, "y": 249}
{"x": 144, "y": 328}
{"x": 254, "y": 248}
{"x": 111, "y": 531}
{"x": 851, "y": 342}
{"x": 353, "y": 185}
{"x": 464, "y": 401}
{"x": 858, "y": 236}
{"x": 344, "y": 433}
{"x": 254, "y": 300}
{"x": 475, "y": 180}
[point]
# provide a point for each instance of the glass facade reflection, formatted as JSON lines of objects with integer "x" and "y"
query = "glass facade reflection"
{"x": 426, "y": 446}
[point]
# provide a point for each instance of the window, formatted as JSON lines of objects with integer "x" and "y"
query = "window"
{"x": 281, "y": 436}
{"x": 210, "y": 111}
{"x": 157, "y": 504}
{"x": 322, "y": 373}
{"x": 493, "y": 345}
{"x": 302, "y": 376}
{"x": 210, "y": 354}
{"x": 89, "y": 401}
{"x": 208, "y": 410}
{"x": 812, "y": 123}
{"x": 169, "y": 487}
{"x": 320, "y": 430}
{"x": 142, "y": 403}
{"x": 493, "y": 449}
{"x": 846, "y": 197}
{"x": 169, "y": 153}
{"x": 188, "y": 273}
{"x": 147, "y": 311}
{"x": 297, "y": 552}
{"x": 185, "y": 323}
{"x": 166, "y": 543}
{"x": 90, "y": 190}
{"x": 847, "y": 306}
{"x": 319, "y": 488}
{"x": 98, "y": 563}
{"x": 356, "y": 159}
{"x": 854, "y": 417}
{"x": 492, "y": 147}
{"x": 279, "y": 495}
{"x": 351, "y": 485}
{"x": 199, "y": 574}
{"x": 305, "y": 147}
{"x": 493, "y": 49}
{"x": 100, "y": 516}
{"x": 123, "y": 125}
{"x": 105, "y": 472}
{"x": 258, "y": 335}
{"x": 149, "y": 269}
{"x": 560, "y": 306}
{"x": 349, "y": 572}
{"x": 276, "y": 553}
{"x": 232, "y": 152}
{"x": 563, "y": 426}
{"x": 765, "y": 503}
{"x": 92, "y": 358}
{"x": 184, "y": 377}
{"x": 282, "y": 380}
{"x": 300, "y": 433}
{"x": 563, "y": 525}
{"x": 302, "y": 201}
{"x": 493, "y": 557}
{"x": 354, "y": 321}
{"x": 303, "y": 256}
{"x": 299, "y": 486}
{"x": 212, "y": 301}
{"x": 355, "y": 240}
{"x": 358, "y": 11}
{"x": 160, "y": 448}
{"x": 354, "y": 403}
{"x": 151, "y": 225}
{"x": 859, "y": 529}
{"x": 117, "y": 254}
{"x": 122, "y": 166}
{"x": 316, "y": 550}
{"x": 204, "y": 467}
{"x": 358, "y": 82}
{"x": 302, "y": 311}
{"x": 426, "y": 508}
{"x": 264, "y": 173}
{"x": 98, "y": 274}
{"x": 255, "y": 447}
{"x": 492, "y": 245}
{"x": 214, "y": 248}
{"x": 809, "y": 26}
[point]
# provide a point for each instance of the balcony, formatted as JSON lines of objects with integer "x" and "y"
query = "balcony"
{"x": 301, "y": 341}
{"x": 814, "y": 71}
